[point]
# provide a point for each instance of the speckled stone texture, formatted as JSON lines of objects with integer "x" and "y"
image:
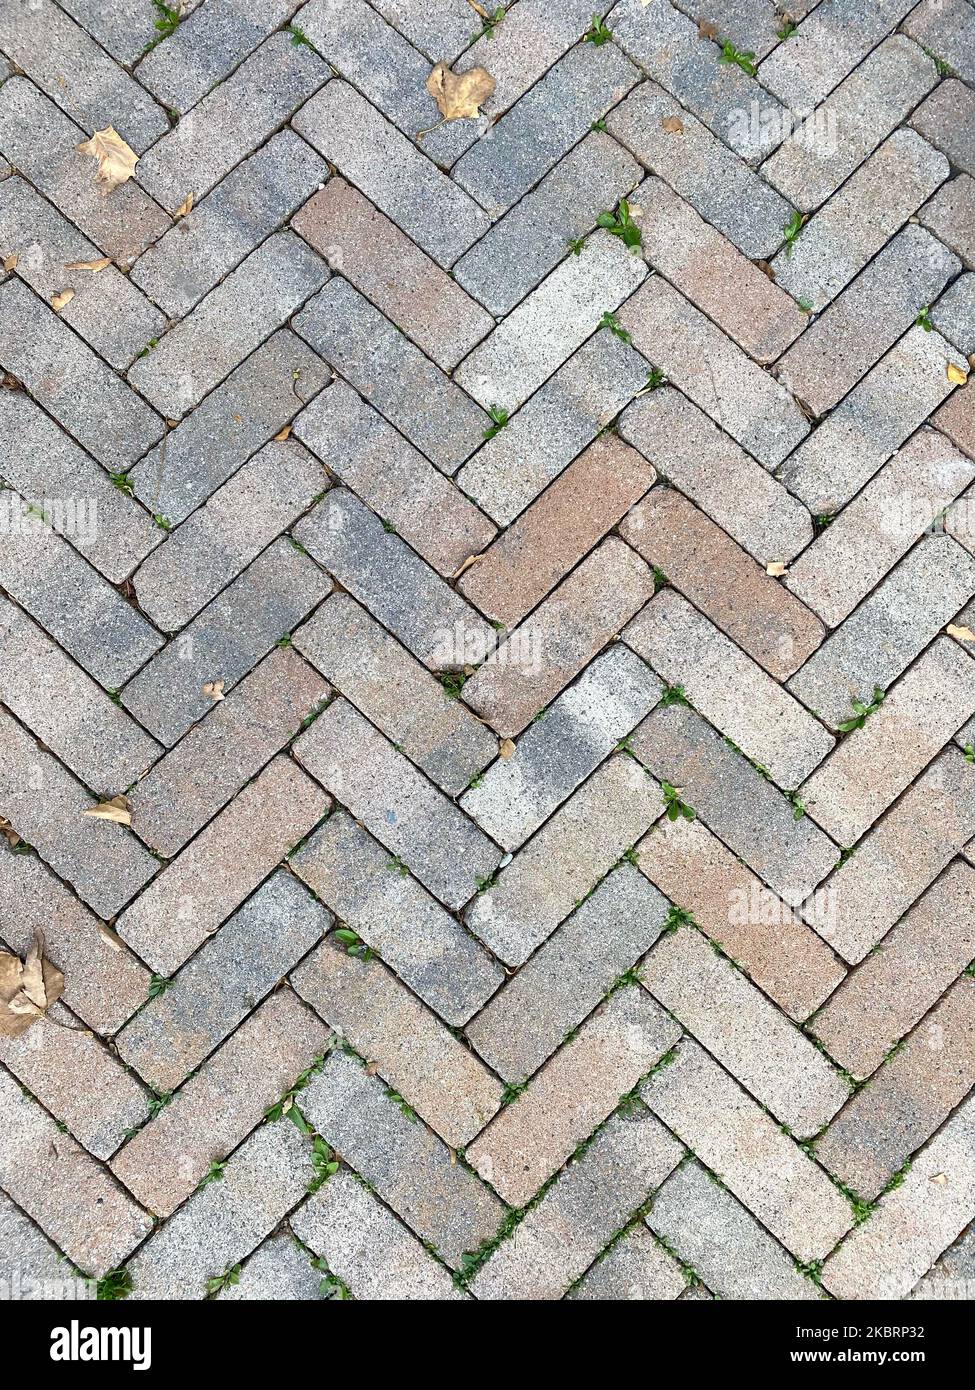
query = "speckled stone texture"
{"x": 514, "y": 576}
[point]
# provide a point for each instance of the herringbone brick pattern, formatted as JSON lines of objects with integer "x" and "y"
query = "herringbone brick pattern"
{"x": 514, "y": 575}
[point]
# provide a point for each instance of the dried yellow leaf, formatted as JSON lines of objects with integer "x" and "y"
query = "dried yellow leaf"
{"x": 215, "y": 690}
{"x": 95, "y": 266}
{"x": 58, "y": 301}
{"x": 507, "y": 749}
{"x": 459, "y": 96}
{"x": 116, "y": 810}
{"x": 26, "y": 989}
{"x": 282, "y": 435}
{"x": 185, "y": 206}
{"x": 961, "y": 634}
{"x": 776, "y": 569}
{"x": 11, "y": 263}
{"x": 956, "y": 375}
{"x": 673, "y": 125}
{"x": 116, "y": 161}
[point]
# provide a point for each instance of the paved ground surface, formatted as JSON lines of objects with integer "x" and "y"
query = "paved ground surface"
{"x": 600, "y": 912}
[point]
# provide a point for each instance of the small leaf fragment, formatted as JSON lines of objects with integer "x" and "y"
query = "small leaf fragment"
{"x": 215, "y": 690}
{"x": 116, "y": 160}
{"x": 471, "y": 560}
{"x": 673, "y": 125}
{"x": 185, "y": 206}
{"x": 11, "y": 262}
{"x": 459, "y": 96}
{"x": 60, "y": 301}
{"x": 961, "y": 634}
{"x": 707, "y": 29}
{"x": 116, "y": 810}
{"x": 956, "y": 375}
{"x": 9, "y": 833}
{"x": 776, "y": 569}
{"x": 940, "y": 1179}
{"x": 507, "y": 749}
{"x": 282, "y": 435}
{"x": 94, "y": 266}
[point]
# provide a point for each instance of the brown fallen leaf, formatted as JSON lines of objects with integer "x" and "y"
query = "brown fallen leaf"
{"x": 116, "y": 810}
{"x": 116, "y": 161}
{"x": 459, "y": 96}
{"x": 185, "y": 206}
{"x": 471, "y": 560}
{"x": 507, "y": 749}
{"x": 95, "y": 266}
{"x": 776, "y": 569}
{"x": 26, "y": 988}
{"x": 9, "y": 833}
{"x": 673, "y": 125}
{"x": 59, "y": 301}
{"x": 961, "y": 634}
{"x": 371, "y": 1068}
{"x": 282, "y": 435}
{"x": 215, "y": 690}
{"x": 11, "y": 263}
{"x": 707, "y": 29}
{"x": 766, "y": 269}
{"x": 956, "y": 375}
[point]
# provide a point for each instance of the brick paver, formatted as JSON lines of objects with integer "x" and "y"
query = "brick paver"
{"x": 514, "y": 574}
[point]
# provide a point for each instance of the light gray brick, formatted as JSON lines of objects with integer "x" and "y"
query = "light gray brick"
{"x": 698, "y": 166}
{"x": 838, "y": 241}
{"x": 393, "y": 375}
{"x": 212, "y": 546}
{"x": 225, "y": 226}
{"x": 544, "y": 125}
{"x": 729, "y": 689}
{"x": 564, "y": 415}
{"x": 391, "y": 912}
{"x": 547, "y": 327}
{"x": 363, "y": 1243}
{"x": 41, "y": 143}
{"x": 736, "y": 801}
{"x": 669, "y": 48}
{"x": 226, "y": 125}
{"x": 635, "y": 1267}
{"x": 107, "y": 310}
{"x": 947, "y": 28}
{"x": 68, "y": 1194}
{"x": 231, "y": 424}
{"x": 89, "y": 618}
{"x": 828, "y": 44}
{"x": 222, "y": 1223}
{"x": 717, "y": 474}
{"x": 854, "y": 553}
{"x": 124, "y": 27}
{"x": 442, "y": 29}
{"x": 954, "y": 314}
{"x": 743, "y": 1031}
{"x": 390, "y": 580}
{"x": 703, "y": 362}
{"x": 412, "y": 1051}
{"x": 880, "y": 413}
{"x": 553, "y": 873}
{"x": 825, "y": 148}
{"x": 31, "y": 1267}
{"x": 554, "y": 756}
{"x": 392, "y": 172}
{"x": 69, "y": 380}
{"x": 97, "y": 740}
{"x": 221, "y": 753}
{"x": 278, "y": 1270}
{"x": 722, "y": 1241}
{"x": 407, "y": 1165}
{"x": 223, "y": 982}
{"x": 947, "y": 119}
{"x": 561, "y": 1236}
{"x": 951, "y": 215}
{"x": 236, "y": 317}
{"x": 867, "y": 318}
{"x": 64, "y": 61}
{"x": 396, "y": 693}
{"x": 764, "y": 1168}
{"x": 529, "y": 241}
{"x": 568, "y": 976}
{"x": 206, "y": 47}
{"x": 225, "y": 641}
{"x": 396, "y": 802}
{"x": 888, "y": 630}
